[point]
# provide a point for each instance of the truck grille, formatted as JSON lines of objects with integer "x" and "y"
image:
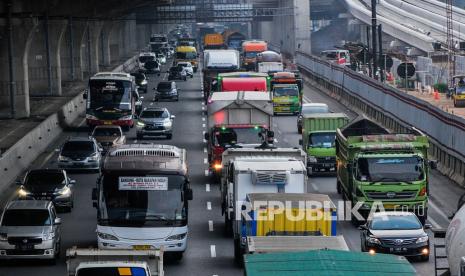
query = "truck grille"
{"x": 391, "y": 195}
{"x": 24, "y": 240}
{"x": 398, "y": 241}
{"x": 270, "y": 178}
{"x": 328, "y": 160}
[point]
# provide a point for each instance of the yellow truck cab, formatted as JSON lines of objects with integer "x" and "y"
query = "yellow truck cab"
{"x": 188, "y": 54}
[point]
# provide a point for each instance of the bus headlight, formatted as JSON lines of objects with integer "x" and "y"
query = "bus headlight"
{"x": 125, "y": 118}
{"x": 177, "y": 237}
{"x": 105, "y": 236}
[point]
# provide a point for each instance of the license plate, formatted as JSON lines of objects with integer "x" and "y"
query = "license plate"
{"x": 107, "y": 122}
{"x": 44, "y": 198}
{"x": 25, "y": 247}
{"x": 391, "y": 206}
{"x": 142, "y": 247}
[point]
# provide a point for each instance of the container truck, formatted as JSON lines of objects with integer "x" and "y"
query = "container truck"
{"x": 376, "y": 165}
{"x": 319, "y": 140}
{"x": 250, "y": 49}
{"x": 236, "y": 119}
{"x": 85, "y": 262}
{"x": 298, "y": 215}
{"x": 213, "y": 41}
{"x": 269, "y": 244}
{"x": 242, "y": 75}
{"x": 217, "y": 61}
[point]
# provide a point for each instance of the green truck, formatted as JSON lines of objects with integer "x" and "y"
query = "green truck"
{"x": 318, "y": 140}
{"x": 376, "y": 165}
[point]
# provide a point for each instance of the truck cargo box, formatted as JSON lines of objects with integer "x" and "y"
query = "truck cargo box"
{"x": 269, "y": 244}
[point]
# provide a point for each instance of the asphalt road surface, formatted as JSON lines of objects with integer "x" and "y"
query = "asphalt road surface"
{"x": 209, "y": 251}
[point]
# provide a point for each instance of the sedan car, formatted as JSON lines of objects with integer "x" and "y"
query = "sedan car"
{"x": 109, "y": 136}
{"x": 81, "y": 153}
{"x": 310, "y": 108}
{"x": 30, "y": 229}
{"x": 394, "y": 232}
{"x": 161, "y": 58}
{"x": 48, "y": 184}
{"x": 177, "y": 73}
{"x": 155, "y": 121}
{"x": 166, "y": 90}
{"x": 187, "y": 66}
{"x": 141, "y": 81}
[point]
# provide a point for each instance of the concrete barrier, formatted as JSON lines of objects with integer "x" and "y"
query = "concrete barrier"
{"x": 394, "y": 109}
{"x": 20, "y": 156}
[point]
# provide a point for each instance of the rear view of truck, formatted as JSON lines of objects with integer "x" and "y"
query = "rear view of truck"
{"x": 376, "y": 165}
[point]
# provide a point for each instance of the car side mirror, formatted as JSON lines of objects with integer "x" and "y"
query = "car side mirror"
{"x": 154, "y": 89}
{"x": 141, "y": 97}
{"x": 158, "y": 74}
{"x": 173, "y": 116}
{"x": 94, "y": 194}
{"x": 100, "y": 149}
{"x": 362, "y": 227}
{"x": 427, "y": 226}
{"x": 189, "y": 194}
{"x": 433, "y": 164}
{"x": 72, "y": 181}
{"x": 18, "y": 182}
{"x": 84, "y": 96}
{"x": 205, "y": 136}
{"x": 57, "y": 221}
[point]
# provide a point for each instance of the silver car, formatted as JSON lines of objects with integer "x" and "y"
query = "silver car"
{"x": 30, "y": 229}
{"x": 155, "y": 121}
{"x": 80, "y": 153}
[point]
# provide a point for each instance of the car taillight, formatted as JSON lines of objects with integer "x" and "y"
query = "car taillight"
{"x": 218, "y": 150}
{"x": 422, "y": 192}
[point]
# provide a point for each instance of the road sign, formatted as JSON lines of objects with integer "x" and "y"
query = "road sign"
{"x": 406, "y": 70}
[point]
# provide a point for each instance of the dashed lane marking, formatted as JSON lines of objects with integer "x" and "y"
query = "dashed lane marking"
{"x": 204, "y": 125}
{"x": 205, "y": 150}
{"x": 205, "y": 160}
{"x": 438, "y": 210}
{"x": 209, "y": 205}
{"x": 314, "y": 186}
{"x": 434, "y": 223}
{"x": 206, "y": 172}
{"x": 203, "y": 107}
{"x": 203, "y": 119}
{"x": 207, "y": 187}
{"x": 213, "y": 251}
{"x": 210, "y": 225}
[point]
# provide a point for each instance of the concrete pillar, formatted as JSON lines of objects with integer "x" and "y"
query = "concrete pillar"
{"x": 302, "y": 25}
{"x": 95, "y": 29}
{"x": 143, "y": 36}
{"x": 115, "y": 42}
{"x": 105, "y": 43}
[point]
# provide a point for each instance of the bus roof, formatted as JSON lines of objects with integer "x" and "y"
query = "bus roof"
{"x": 113, "y": 75}
{"x": 146, "y": 157}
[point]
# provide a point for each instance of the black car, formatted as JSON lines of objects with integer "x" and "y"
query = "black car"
{"x": 48, "y": 184}
{"x": 177, "y": 73}
{"x": 141, "y": 81}
{"x": 398, "y": 233}
{"x": 166, "y": 90}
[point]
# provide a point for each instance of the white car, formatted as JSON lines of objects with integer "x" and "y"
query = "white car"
{"x": 161, "y": 58}
{"x": 187, "y": 67}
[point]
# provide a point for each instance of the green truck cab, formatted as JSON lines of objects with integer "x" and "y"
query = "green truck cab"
{"x": 286, "y": 98}
{"x": 318, "y": 140}
{"x": 375, "y": 165}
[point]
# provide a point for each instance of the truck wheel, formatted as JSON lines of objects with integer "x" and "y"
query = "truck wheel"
{"x": 177, "y": 256}
{"x": 227, "y": 226}
{"x": 238, "y": 256}
{"x": 299, "y": 130}
{"x": 338, "y": 187}
{"x": 140, "y": 136}
{"x": 424, "y": 258}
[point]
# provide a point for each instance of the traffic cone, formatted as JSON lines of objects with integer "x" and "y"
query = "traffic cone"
{"x": 436, "y": 95}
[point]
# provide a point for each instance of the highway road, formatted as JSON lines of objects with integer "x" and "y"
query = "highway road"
{"x": 209, "y": 252}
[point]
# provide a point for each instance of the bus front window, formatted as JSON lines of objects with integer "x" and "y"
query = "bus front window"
{"x": 110, "y": 94}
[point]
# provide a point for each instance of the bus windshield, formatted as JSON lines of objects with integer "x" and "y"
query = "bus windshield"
{"x": 114, "y": 94}
{"x": 186, "y": 55}
{"x": 142, "y": 200}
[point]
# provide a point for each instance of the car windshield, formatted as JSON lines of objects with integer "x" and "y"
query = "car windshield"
{"x": 314, "y": 109}
{"x": 322, "y": 139}
{"x": 395, "y": 222}
{"x": 390, "y": 169}
{"x": 164, "y": 86}
{"x": 26, "y": 217}
{"x": 186, "y": 55}
{"x": 236, "y": 136}
{"x": 107, "y": 132}
{"x": 78, "y": 146}
{"x": 144, "y": 59}
{"x": 154, "y": 114}
{"x": 111, "y": 271}
{"x": 285, "y": 92}
{"x": 142, "y": 200}
{"x": 44, "y": 179}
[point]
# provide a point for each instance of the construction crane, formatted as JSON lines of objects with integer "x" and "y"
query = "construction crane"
{"x": 450, "y": 43}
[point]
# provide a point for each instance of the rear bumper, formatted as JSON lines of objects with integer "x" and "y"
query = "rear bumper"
{"x": 122, "y": 123}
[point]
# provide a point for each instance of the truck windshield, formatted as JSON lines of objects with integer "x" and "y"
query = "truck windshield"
{"x": 145, "y": 59}
{"x": 460, "y": 89}
{"x": 24, "y": 217}
{"x": 110, "y": 94}
{"x": 390, "y": 169}
{"x": 142, "y": 201}
{"x": 111, "y": 271}
{"x": 186, "y": 55}
{"x": 285, "y": 92}
{"x": 322, "y": 139}
{"x": 251, "y": 54}
{"x": 237, "y": 136}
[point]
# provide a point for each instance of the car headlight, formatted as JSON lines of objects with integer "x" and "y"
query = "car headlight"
{"x": 105, "y": 236}
{"x": 373, "y": 240}
{"x": 49, "y": 236}
{"x": 140, "y": 124}
{"x": 312, "y": 159}
{"x": 127, "y": 117}
{"x": 66, "y": 191}
{"x": 167, "y": 123}
{"x": 23, "y": 193}
{"x": 93, "y": 157}
{"x": 63, "y": 158}
{"x": 144, "y": 82}
{"x": 3, "y": 237}
{"x": 91, "y": 117}
{"x": 177, "y": 237}
{"x": 422, "y": 239}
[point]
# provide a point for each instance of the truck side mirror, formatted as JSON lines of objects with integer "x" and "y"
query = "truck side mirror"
{"x": 301, "y": 142}
{"x": 94, "y": 194}
{"x": 270, "y": 134}
{"x": 84, "y": 96}
{"x": 189, "y": 194}
{"x": 433, "y": 164}
{"x": 205, "y": 136}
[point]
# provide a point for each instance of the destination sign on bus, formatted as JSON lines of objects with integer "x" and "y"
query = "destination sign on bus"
{"x": 143, "y": 183}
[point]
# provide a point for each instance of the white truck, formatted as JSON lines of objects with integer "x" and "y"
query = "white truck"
{"x": 218, "y": 61}
{"x": 96, "y": 262}
{"x": 258, "y": 170}
{"x": 269, "y": 67}
{"x": 237, "y": 119}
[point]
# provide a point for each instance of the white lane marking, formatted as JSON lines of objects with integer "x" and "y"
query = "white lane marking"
{"x": 203, "y": 107}
{"x": 279, "y": 131}
{"x": 433, "y": 222}
{"x": 437, "y": 209}
{"x": 203, "y": 103}
{"x": 210, "y": 225}
{"x": 203, "y": 136}
{"x": 207, "y": 187}
{"x": 135, "y": 141}
{"x": 209, "y": 205}
{"x": 205, "y": 150}
{"x": 206, "y": 172}
{"x": 205, "y": 160}
{"x": 203, "y": 119}
{"x": 151, "y": 103}
{"x": 48, "y": 157}
{"x": 213, "y": 251}
{"x": 203, "y": 125}
{"x": 307, "y": 100}
{"x": 164, "y": 76}
{"x": 314, "y": 186}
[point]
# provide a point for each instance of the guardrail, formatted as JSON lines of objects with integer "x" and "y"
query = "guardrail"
{"x": 395, "y": 109}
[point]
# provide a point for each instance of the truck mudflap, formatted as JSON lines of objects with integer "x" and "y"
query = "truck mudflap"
{"x": 76, "y": 256}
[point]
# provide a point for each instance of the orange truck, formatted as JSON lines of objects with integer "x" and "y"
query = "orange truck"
{"x": 213, "y": 41}
{"x": 250, "y": 49}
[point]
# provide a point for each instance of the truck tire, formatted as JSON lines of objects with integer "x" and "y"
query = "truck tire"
{"x": 338, "y": 187}
{"x": 227, "y": 226}
{"x": 177, "y": 256}
{"x": 238, "y": 255}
